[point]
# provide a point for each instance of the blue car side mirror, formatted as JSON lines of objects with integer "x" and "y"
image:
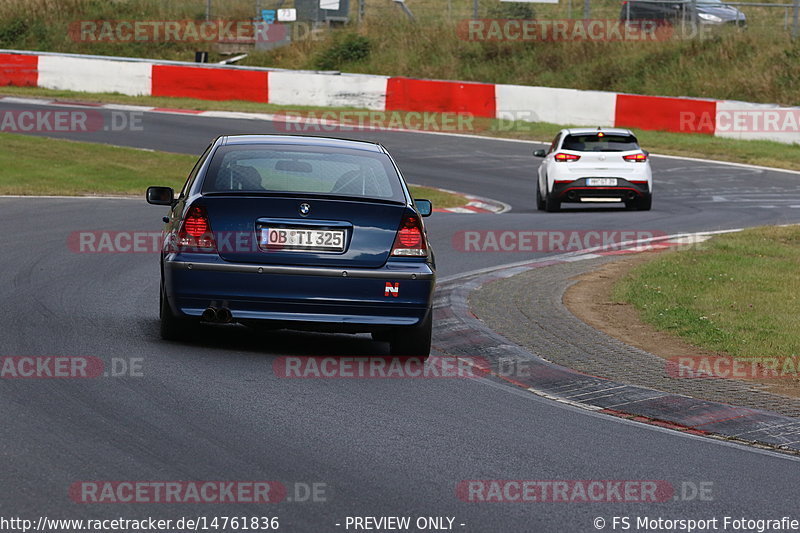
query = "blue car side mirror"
{"x": 425, "y": 207}
{"x": 160, "y": 195}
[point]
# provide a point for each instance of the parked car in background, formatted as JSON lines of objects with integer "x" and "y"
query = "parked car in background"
{"x": 713, "y": 12}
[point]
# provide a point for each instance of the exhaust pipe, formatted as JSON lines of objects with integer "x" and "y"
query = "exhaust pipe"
{"x": 571, "y": 195}
{"x": 224, "y": 315}
{"x": 632, "y": 195}
{"x": 210, "y": 315}
{"x": 220, "y": 315}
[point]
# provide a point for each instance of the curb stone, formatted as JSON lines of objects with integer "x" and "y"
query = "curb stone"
{"x": 464, "y": 335}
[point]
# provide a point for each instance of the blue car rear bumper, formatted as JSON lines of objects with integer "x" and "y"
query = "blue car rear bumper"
{"x": 397, "y": 294}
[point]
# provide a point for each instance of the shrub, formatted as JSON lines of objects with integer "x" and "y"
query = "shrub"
{"x": 512, "y": 10}
{"x": 12, "y": 31}
{"x": 345, "y": 48}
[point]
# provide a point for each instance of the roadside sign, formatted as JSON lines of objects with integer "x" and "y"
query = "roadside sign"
{"x": 287, "y": 15}
{"x": 268, "y": 15}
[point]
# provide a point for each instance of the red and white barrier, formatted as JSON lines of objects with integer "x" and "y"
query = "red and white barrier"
{"x": 209, "y": 83}
{"x": 289, "y": 87}
{"x": 738, "y": 120}
{"x": 93, "y": 75}
{"x": 556, "y": 106}
{"x": 18, "y": 69}
{"x": 661, "y": 113}
{"x": 409, "y": 94}
{"x": 743, "y": 120}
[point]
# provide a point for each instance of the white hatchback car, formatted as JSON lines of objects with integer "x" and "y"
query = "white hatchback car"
{"x": 594, "y": 165}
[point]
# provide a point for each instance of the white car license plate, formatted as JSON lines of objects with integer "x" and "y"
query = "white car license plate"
{"x": 601, "y": 182}
{"x": 302, "y": 239}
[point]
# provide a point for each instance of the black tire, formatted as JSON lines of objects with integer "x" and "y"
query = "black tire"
{"x": 172, "y": 328}
{"x": 414, "y": 340}
{"x": 551, "y": 205}
{"x": 539, "y": 200}
{"x": 645, "y": 203}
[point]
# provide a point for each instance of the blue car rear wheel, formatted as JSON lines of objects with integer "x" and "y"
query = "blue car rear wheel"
{"x": 415, "y": 340}
{"x": 172, "y": 328}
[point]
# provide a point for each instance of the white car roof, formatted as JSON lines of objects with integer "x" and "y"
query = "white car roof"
{"x": 583, "y": 131}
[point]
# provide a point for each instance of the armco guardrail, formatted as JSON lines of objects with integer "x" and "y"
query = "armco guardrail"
{"x": 131, "y": 76}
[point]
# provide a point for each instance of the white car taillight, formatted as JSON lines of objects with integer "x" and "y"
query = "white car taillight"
{"x": 635, "y": 158}
{"x": 566, "y": 158}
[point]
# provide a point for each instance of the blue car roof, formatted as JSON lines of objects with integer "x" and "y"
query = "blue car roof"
{"x": 302, "y": 140}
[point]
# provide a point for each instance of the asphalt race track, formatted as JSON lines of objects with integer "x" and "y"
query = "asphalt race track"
{"x": 214, "y": 410}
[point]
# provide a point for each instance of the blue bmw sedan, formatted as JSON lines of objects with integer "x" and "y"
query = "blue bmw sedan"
{"x": 297, "y": 232}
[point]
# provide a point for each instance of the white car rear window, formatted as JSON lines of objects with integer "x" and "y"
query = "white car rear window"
{"x": 596, "y": 142}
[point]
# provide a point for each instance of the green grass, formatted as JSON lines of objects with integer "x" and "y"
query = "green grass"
{"x": 738, "y": 293}
{"x": 761, "y": 64}
{"x": 42, "y": 166}
{"x": 439, "y": 198}
{"x": 766, "y": 153}
{"x": 156, "y": 101}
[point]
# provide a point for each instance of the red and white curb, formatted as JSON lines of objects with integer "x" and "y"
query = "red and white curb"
{"x": 463, "y": 335}
{"x": 475, "y": 205}
{"x": 684, "y": 240}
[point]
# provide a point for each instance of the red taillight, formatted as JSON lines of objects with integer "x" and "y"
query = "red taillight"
{"x": 196, "y": 225}
{"x": 635, "y": 158}
{"x": 566, "y": 158}
{"x": 196, "y": 230}
{"x": 410, "y": 240}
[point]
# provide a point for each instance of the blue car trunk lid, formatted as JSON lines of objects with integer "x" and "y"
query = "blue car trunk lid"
{"x": 239, "y": 224}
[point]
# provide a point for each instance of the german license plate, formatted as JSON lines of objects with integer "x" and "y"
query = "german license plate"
{"x": 601, "y": 182}
{"x": 302, "y": 239}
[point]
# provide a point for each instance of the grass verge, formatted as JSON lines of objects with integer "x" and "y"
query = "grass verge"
{"x": 43, "y": 166}
{"x": 766, "y": 153}
{"x": 737, "y": 294}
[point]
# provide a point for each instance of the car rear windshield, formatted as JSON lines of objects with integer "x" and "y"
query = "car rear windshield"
{"x": 282, "y": 169}
{"x": 600, "y": 142}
